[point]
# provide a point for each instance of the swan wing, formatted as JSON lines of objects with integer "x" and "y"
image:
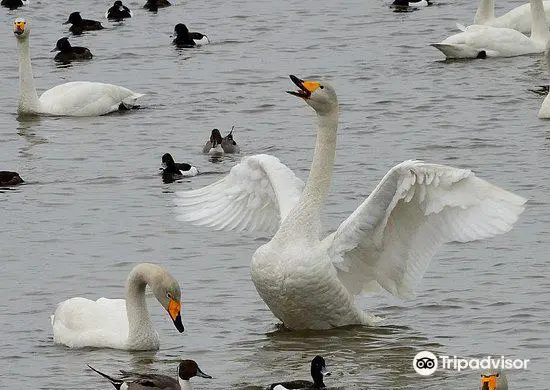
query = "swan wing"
{"x": 390, "y": 239}
{"x": 80, "y": 322}
{"x": 256, "y": 195}
{"x": 83, "y": 98}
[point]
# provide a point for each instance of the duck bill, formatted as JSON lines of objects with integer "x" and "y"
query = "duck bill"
{"x": 67, "y": 22}
{"x": 488, "y": 382}
{"x": 202, "y": 374}
{"x": 306, "y": 88}
{"x": 54, "y": 49}
{"x": 324, "y": 372}
{"x": 174, "y": 309}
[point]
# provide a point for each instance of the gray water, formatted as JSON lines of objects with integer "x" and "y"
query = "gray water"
{"x": 94, "y": 205}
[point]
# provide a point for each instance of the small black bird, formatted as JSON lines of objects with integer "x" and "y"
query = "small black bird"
{"x": 79, "y": 25}
{"x": 184, "y": 38}
{"x": 11, "y": 4}
{"x": 118, "y": 11}
{"x": 68, "y": 53}
{"x": 154, "y": 5}
{"x": 172, "y": 171}
{"x": 8, "y": 178}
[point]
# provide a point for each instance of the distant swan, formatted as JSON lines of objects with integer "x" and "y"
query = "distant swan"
{"x": 387, "y": 242}
{"x": 119, "y": 323}
{"x": 485, "y": 41}
{"x": 79, "y": 98}
{"x": 518, "y": 18}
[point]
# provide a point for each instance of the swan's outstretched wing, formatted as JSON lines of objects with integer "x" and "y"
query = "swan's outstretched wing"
{"x": 256, "y": 195}
{"x": 391, "y": 237}
{"x": 84, "y": 98}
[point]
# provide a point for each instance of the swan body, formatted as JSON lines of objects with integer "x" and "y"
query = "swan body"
{"x": 136, "y": 381}
{"x": 79, "y": 98}
{"x": 119, "y": 323}
{"x": 487, "y": 41}
{"x": 518, "y": 18}
{"x": 386, "y": 243}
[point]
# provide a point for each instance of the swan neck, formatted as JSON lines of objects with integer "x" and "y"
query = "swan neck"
{"x": 139, "y": 323}
{"x": 539, "y": 28}
{"x": 318, "y": 183}
{"x": 485, "y": 12}
{"x": 28, "y": 98}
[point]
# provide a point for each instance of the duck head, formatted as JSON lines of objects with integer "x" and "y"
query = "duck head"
{"x": 180, "y": 30}
{"x": 74, "y": 18}
{"x": 168, "y": 161}
{"x": 319, "y": 370}
{"x": 189, "y": 368}
{"x": 62, "y": 45}
{"x": 215, "y": 137}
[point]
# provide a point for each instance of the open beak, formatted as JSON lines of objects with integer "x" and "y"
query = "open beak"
{"x": 19, "y": 28}
{"x": 306, "y": 88}
{"x": 174, "y": 309}
{"x": 202, "y": 374}
{"x": 488, "y": 382}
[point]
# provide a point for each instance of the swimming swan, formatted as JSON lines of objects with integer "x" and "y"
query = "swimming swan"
{"x": 486, "y": 41}
{"x": 119, "y": 323}
{"x": 493, "y": 380}
{"x": 518, "y": 18}
{"x": 387, "y": 242}
{"x": 187, "y": 369}
{"x": 79, "y": 98}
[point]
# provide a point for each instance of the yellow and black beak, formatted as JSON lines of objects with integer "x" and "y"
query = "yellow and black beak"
{"x": 306, "y": 87}
{"x": 174, "y": 309}
{"x": 19, "y": 27}
{"x": 488, "y": 382}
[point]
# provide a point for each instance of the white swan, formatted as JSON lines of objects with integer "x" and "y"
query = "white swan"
{"x": 387, "y": 242}
{"x": 79, "y": 98}
{"x": 119, "y": 323}
{"x": 486, "y": 41}
{"x": 518, "y": 18}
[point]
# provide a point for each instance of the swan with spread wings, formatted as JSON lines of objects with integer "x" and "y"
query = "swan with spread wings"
{"x": 387, "y": 242}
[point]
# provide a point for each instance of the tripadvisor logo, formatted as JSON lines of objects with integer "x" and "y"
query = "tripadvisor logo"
{"x": 426, "y": 363}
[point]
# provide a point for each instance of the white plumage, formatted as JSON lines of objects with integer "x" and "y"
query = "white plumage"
{"x": 386, "y": 243}
{"x": 487, "y": 41}
{"x": 80, "y": 98}
{"x": 518, "y": 18}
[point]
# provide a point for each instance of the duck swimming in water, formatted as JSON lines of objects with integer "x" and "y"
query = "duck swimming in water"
{"x": 187, "y": 369}
{"x": 154, "y": 5}
{"x": 118, "y": 11}
{"x": 68, "y": 53}
{"x": 172, "y": 171}
{"x": 79, "y": 25}
{"x": 184, "y": 38}
{"x": 318, "y": 372}
{"x": 11, "y": 4}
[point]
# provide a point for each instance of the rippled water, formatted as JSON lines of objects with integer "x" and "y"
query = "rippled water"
{"x": 94, "y": 205}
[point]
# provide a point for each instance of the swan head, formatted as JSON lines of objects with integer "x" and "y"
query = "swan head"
{"x": 20, "y": 28}
{"x": 167, "y": 291}
{"x": 320, "y": 96}
{"x": 494, "y": 380}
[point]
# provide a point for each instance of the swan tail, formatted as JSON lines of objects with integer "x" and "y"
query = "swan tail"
{"x": 453, "y": 51}
{"x": 117, "y": 383}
